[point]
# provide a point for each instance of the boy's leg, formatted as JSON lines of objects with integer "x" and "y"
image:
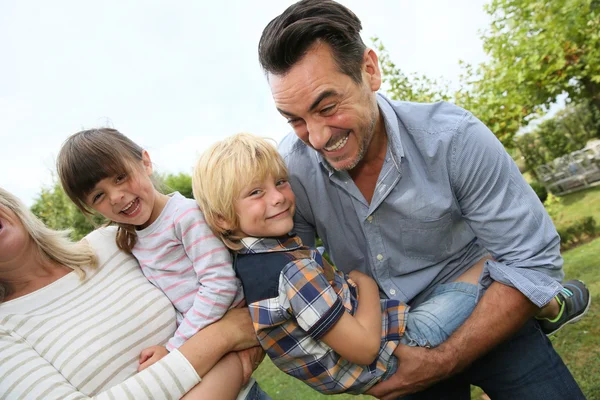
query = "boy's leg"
{"x": 435, "y": 319}
{"x": 567, "y": 307}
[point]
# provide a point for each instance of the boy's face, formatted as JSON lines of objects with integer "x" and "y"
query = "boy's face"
{"x": 266, "y": 208}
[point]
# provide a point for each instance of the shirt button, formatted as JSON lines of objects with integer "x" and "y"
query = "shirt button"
{"x": 379, "y": 257}
{"x": 370, "y": 218}
{"x": 392, "y": 291}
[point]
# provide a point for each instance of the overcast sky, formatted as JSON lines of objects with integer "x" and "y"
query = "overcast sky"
{"x": 176, "y": 76}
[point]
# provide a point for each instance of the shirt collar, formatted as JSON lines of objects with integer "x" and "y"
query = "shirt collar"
{"x": 392, "y": 130}
{"x": 253, "y": 245}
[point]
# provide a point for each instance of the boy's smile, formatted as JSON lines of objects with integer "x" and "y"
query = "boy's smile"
{"x": 266, "y": 209}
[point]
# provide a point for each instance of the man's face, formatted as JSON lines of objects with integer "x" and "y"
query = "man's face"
{"x": 328, "y": 110}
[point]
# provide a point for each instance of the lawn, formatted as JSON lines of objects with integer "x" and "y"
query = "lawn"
{"x": 578, "y": 205}
{"x": 578, "y": 344}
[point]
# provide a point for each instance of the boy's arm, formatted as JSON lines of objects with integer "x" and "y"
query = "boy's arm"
{"x": 320, "y": 312}
{"x": 212, "y": 263}
{"x": 358, "y": 338}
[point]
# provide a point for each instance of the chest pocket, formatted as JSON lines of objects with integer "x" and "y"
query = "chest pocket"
{"x": 428, "y": 240}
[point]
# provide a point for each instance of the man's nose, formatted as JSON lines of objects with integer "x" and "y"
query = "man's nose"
{"x": 318, "y": 135}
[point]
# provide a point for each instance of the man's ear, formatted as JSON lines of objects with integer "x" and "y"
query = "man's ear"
{"x": 371, "y": 69}
{"x": 147, "y": 162}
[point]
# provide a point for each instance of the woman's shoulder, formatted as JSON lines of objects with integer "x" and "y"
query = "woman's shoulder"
{"x": 103, "y": 241}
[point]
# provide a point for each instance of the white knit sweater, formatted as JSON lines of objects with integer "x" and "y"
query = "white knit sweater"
{"x": 79, "y": 339}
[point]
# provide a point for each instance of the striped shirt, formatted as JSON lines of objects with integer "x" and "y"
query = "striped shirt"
{"x": 78, "y": 339}
{"x": 296, "y": 299}
{"x": 180, "y": 255}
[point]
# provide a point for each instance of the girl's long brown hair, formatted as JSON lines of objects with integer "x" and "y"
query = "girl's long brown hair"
{"x": 91, "y": 155}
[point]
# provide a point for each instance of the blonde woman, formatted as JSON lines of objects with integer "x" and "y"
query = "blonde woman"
{"x": 75, "y": 316}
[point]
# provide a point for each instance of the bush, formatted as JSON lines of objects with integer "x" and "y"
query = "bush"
{"x": 540, "y": 190}
{"x": 578, "y": 231}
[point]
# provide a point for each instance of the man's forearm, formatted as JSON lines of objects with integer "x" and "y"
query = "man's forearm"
{"x": 500, "y": 313}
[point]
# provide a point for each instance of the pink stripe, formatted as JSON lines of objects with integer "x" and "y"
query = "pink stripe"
{"x": 208, "y": 253}
{"x": 198, "y": 241}
{"x": 185, "y": 296}
{"x": 174, "y": 273}
{"x": 166, "y": 267}
{"x": 221, "y": 265}
{"x": 207, "y": 317}
{"x": 209, "y": 301}
{"x": 184, "y": 214}
{"x": 225, "y": 291}
{"x": 195, "y": 224}
{"x": 157, "y": 247}
{"x": 161, "y": 233}
{"x": 177, "y": 333}
{"x": 181, "y": 282}
{"x": 220, "y": 278}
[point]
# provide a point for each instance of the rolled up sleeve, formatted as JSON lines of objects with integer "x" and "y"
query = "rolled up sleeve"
{"x": 505, "y": 214}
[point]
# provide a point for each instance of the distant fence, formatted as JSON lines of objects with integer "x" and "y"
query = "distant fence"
{"x": 572, "y": 172}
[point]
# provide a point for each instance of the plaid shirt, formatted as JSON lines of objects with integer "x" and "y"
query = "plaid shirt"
{"x": 295, "y": 296}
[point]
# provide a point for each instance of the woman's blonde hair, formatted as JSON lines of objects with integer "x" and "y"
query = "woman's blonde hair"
{"x": 91, "y": 155}
{"x": 53, "y": 245}
{"x": 224, "y": 170}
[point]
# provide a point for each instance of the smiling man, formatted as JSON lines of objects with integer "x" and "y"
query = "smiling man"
{"x": 414, "y": 195}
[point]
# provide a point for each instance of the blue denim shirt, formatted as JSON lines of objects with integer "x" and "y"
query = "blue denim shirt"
{"x": 447, "y": 195}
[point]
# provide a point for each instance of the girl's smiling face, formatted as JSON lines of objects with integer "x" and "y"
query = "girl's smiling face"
{"x": 128, "y": 198}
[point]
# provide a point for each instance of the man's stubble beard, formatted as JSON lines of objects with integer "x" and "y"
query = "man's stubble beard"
{"x": 363, "y": 146}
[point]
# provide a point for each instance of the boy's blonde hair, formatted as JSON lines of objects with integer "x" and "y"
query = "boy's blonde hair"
{"x": 224, "y": 170}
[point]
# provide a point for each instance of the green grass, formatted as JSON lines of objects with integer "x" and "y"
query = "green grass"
{"x": 578, "y": 344}
{"x": 578, "y": 205}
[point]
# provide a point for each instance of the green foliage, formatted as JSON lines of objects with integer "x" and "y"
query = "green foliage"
{"x": 569, "y": 130}
{"x": 540, "y": 49}
{"x": 181, "y": 183}
{"x": 57, "y": 211}
{"x": 540, "y": 190}
{"x": 577, "y": 232}
{"x": 553, "y": 206}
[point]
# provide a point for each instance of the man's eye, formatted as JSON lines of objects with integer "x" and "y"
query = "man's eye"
{"x": 328, "y": 110}
{"x": 295, "y": 121}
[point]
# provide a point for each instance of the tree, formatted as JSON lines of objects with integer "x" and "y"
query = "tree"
{"x": 540, "y": 49}
{"x": 504, "y": 115}
{"x": 181, "y": 183}
{"x": 57, "y": 211}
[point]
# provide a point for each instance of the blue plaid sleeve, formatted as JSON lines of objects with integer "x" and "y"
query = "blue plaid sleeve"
{"x": 313, "y": 301}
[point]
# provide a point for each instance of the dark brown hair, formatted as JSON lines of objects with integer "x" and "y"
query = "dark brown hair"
{"x": 288, "y": 37}
{"x": 89, "y": 156}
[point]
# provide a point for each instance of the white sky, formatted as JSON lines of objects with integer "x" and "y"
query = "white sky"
{"x": 176, "y": 76}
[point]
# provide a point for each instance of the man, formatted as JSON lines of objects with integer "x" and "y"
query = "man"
{"x": 413, "y": 195}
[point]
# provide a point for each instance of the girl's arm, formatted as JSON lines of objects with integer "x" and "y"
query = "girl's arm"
{"x": 320, "y": 311}
{"x": 212, "y": 264}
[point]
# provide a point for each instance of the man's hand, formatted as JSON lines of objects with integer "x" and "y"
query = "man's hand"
{"x": 418, "y": 368}
{"x": 151, "y": 355}
{"x": 250, "y": 359}
{"x": 238, "y": 326}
